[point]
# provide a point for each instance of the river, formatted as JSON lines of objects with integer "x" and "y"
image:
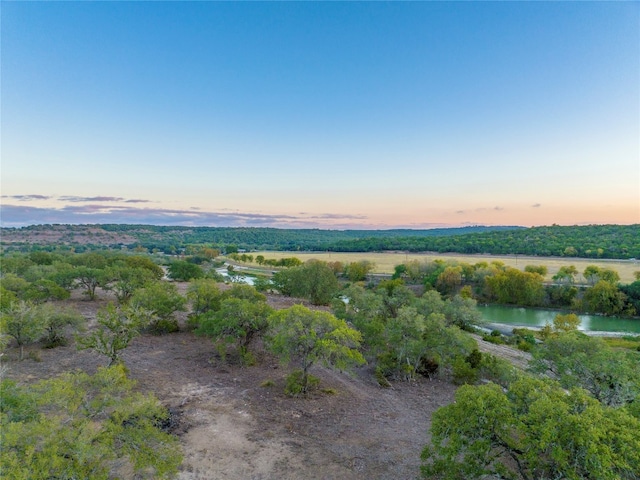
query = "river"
{"x": 535, "y": 317}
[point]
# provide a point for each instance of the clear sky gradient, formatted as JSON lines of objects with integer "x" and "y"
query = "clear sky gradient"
{"x": 312, "y": 114}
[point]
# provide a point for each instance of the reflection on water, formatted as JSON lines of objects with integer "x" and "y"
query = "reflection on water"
{"x": 536, "y": 317}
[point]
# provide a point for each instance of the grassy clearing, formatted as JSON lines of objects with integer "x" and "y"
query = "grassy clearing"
{"x": 386, "y": 261}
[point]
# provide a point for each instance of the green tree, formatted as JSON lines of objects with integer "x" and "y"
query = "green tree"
{"x": 23, "y": 322}
{"x": 6, "y": 298}
{"x": 539, "y": 269}
{"x": 117, "y": 327}
{"x": 463, "y": 312}
{"x": 449, "y": 280}
{"x": 566, "y": 323}
{"x": 142, "y": 262}
{"x": 358, "y": 271}
{"x": 512, "y": 286}
{"x": 238, "y": 321}
{"x": 163, "y": 300}
{"x": 15, "y": 284}
{"x": 204, "y": 295}
{"x": 313, "y": 336}
{"x": 57, "y": 320}
{"x": 394, "y": 295}
{"x": 592, "y": 274}
{"x": 417, "y": 344}
{"x": 604, "y": 297}
{"x": 566, "y": 274}
{"x": 609, "y": 275}
{"x": 244, "y": 292}
{"x": 81, "y": 426}
{"x": 364, "y": 309}
{"x": 126, "y": 280}
{"x": 43, "y": 290}
{"x": 534, "y": 430}
{"x": 314, "y": 280}
{"x": 182, "y": 271}
{"x": 90, "y": 279}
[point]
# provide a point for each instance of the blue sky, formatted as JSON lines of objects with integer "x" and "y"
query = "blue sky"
{"x": 320, "y": 114}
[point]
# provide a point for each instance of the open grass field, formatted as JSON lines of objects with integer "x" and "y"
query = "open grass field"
{"x": 386, "y": 261}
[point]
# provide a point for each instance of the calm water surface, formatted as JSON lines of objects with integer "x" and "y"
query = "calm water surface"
{"x": 535, "y": 317}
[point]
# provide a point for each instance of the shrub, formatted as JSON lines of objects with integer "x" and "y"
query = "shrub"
{"x": 463, "y": 372}
{"x": 296, "y": 383}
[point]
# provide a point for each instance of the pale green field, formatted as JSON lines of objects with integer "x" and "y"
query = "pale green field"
{"x": 386, "y": 261}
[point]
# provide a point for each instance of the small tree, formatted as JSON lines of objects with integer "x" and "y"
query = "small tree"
{"x": 313, "y": 336}
{"x": 57, "y": 320}
{"x": 237, "y": 321}
{"x": 117, "y": 326}
{"x": 183, "y": 271}
{"x": 204, "y": 295}
{"x": 90, "y": 279}
{"x": 358, "y": 271}
{"x": 24, "y": 322}
{"x": 126, "y": 280}
{"x": 566, "y": 323}
{"x": 163, "y": 300}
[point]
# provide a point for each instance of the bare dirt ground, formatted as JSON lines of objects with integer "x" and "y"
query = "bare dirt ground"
{"x": 232, "y": 427}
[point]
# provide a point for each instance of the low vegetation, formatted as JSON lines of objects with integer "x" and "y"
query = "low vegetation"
{"x": 574, "y": 413}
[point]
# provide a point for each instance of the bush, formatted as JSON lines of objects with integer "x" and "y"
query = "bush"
{"x": 381, "y": 379}
{"x": 162, "y": 326}
{"x": 295, "y": 385}
{"x": 493, "y": 339}
{"x": 463, "y": 373}
{"x": 475, "y": 358}
{"x": 497, "y": 370}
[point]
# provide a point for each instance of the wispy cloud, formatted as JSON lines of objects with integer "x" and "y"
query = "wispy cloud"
{"x": 71, "y": 198}
{"x": 536, "y": 205}
{"x": 27, "y": 198}
{"x": 20, "y": 215}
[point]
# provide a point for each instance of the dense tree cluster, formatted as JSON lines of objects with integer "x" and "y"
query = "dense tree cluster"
{"x": 599, "y": 290}
{"x": 592, "y": 241}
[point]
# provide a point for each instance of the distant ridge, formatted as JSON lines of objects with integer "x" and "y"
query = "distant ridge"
{"x": 591, "y": 241}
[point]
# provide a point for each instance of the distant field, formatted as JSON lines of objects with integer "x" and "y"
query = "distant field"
{"x": 386, "y": 261}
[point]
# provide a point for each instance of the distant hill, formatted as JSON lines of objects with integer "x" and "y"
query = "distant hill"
{"x": 161, "y": 237}
{"x": 592, "y": 241}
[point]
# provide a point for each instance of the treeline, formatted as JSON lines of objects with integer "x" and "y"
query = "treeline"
{"x": 174, "y": 240}
{"x": 592, "y": 241}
